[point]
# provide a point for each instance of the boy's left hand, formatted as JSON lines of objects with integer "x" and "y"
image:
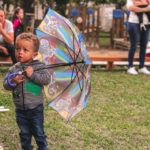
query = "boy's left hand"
{"x": 29, "y": 71}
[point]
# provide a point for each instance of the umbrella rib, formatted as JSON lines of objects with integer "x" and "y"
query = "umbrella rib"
{"x": 73, "y": 35}
{"x": 77, "y": 71}
{"x": 72, "y": 72}
{"x": 59, "y": 65}
{"x": 74, "y": 48}
{"x": 70, "y": 53}
{"x": 63, "y": 43}
{"x": 64, "y": 89}
{"x": 71, "y": 30}
{"x": 56, "y": 38}
{"x": 77, "y": 55}
{"x": 81, "y": 71}
{"x": 78, "y": 46}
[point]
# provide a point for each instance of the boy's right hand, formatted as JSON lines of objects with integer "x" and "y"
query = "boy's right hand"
{"x": 29, "y": 71}
{"x": 13, "y": 79}
{"x": 18, "y": 79}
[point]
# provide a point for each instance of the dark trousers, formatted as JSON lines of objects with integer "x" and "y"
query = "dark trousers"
{"x": 30, "y": 123}
{"x": 137, "y": 36}
{"x": 11, "y": 52}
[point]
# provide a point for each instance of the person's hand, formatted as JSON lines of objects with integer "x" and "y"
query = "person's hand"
{"x": 18, "y": 79}
{"x": 148, "y": 8}
{"x": 1, "y": 27}
{"x": 4, "y": 50}
{"x": 29, "y": 71}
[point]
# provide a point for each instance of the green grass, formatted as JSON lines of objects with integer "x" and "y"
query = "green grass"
{"x": 117, "y": 117}
{"x": 105, "y": 39}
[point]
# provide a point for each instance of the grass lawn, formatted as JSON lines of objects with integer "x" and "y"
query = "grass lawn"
{"x": 117, "y": 117}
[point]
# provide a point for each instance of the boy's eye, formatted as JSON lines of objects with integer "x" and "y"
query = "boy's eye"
{"x": 18, "y": 49}
{"x": 23, "y": 49}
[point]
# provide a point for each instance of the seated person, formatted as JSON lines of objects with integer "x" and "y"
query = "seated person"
{"x": 142, "y": 4}
{"x": 18, "y": 22}
{"x": 6, "y": 37}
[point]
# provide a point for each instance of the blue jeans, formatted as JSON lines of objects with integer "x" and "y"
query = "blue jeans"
{"x": 30, "y": 123}
{"x": 137, "y": 35}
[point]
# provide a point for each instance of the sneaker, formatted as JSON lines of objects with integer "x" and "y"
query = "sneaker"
{"x": 144, "y": 70}
{"x": 132, "y": 71}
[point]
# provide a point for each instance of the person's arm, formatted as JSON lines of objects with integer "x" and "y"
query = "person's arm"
{"x": 132, "y": 7}
{"x": 8, "y": 36}
{"x": 6, "y": 85}
{"x": 4, "y": 49}
{"x": 138, "y": 9}
{"x": 41, "y": 77}
{"x": 15, "y": 23}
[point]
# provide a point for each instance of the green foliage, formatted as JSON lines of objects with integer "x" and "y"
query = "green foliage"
{"x": 60, "y": 7}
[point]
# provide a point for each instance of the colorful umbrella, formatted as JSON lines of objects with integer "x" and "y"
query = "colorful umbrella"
{"x": 62, "y": 49}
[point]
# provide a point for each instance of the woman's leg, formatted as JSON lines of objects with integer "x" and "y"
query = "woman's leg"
{"x": 143, "y": 46}
{"x": 11, "y": 51}
{"x": 134, "y": 35}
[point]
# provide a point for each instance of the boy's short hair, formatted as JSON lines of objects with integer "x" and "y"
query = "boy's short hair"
{"x": 31, "y": 38}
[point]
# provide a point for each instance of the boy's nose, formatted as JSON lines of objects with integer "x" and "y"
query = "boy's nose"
{"x": 20, "y": 52}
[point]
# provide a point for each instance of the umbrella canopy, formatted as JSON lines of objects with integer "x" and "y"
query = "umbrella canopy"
{"x": 63, "y": 50}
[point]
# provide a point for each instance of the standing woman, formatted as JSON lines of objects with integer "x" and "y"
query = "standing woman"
{"x": 136, "y": 34}
{"x": 18, "y": 22}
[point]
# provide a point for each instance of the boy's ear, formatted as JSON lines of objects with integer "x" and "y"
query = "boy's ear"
{"x": 35, "y": 53}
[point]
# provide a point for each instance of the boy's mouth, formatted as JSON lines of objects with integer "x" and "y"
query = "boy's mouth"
{"x": 20, "y": 57}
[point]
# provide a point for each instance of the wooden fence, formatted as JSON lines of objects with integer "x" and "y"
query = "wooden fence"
{"x": 88, "y": 21}
{"x": 119, "y": 34}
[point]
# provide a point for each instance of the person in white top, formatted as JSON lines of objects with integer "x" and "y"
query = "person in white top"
{"x": 136, "y": 35}
{"x": 142, "y": 4}
{"x": 6, "y": 37}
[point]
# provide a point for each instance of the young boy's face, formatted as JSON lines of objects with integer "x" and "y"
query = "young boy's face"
{"x": 25, "y": 51}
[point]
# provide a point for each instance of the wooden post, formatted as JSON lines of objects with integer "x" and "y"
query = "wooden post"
{"x": 97, "y": 44}
{"x": 110, "y": 65}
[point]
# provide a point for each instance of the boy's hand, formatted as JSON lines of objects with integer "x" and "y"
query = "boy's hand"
{"x": 29, "y": 71}
{"x": 18, "y": 79}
